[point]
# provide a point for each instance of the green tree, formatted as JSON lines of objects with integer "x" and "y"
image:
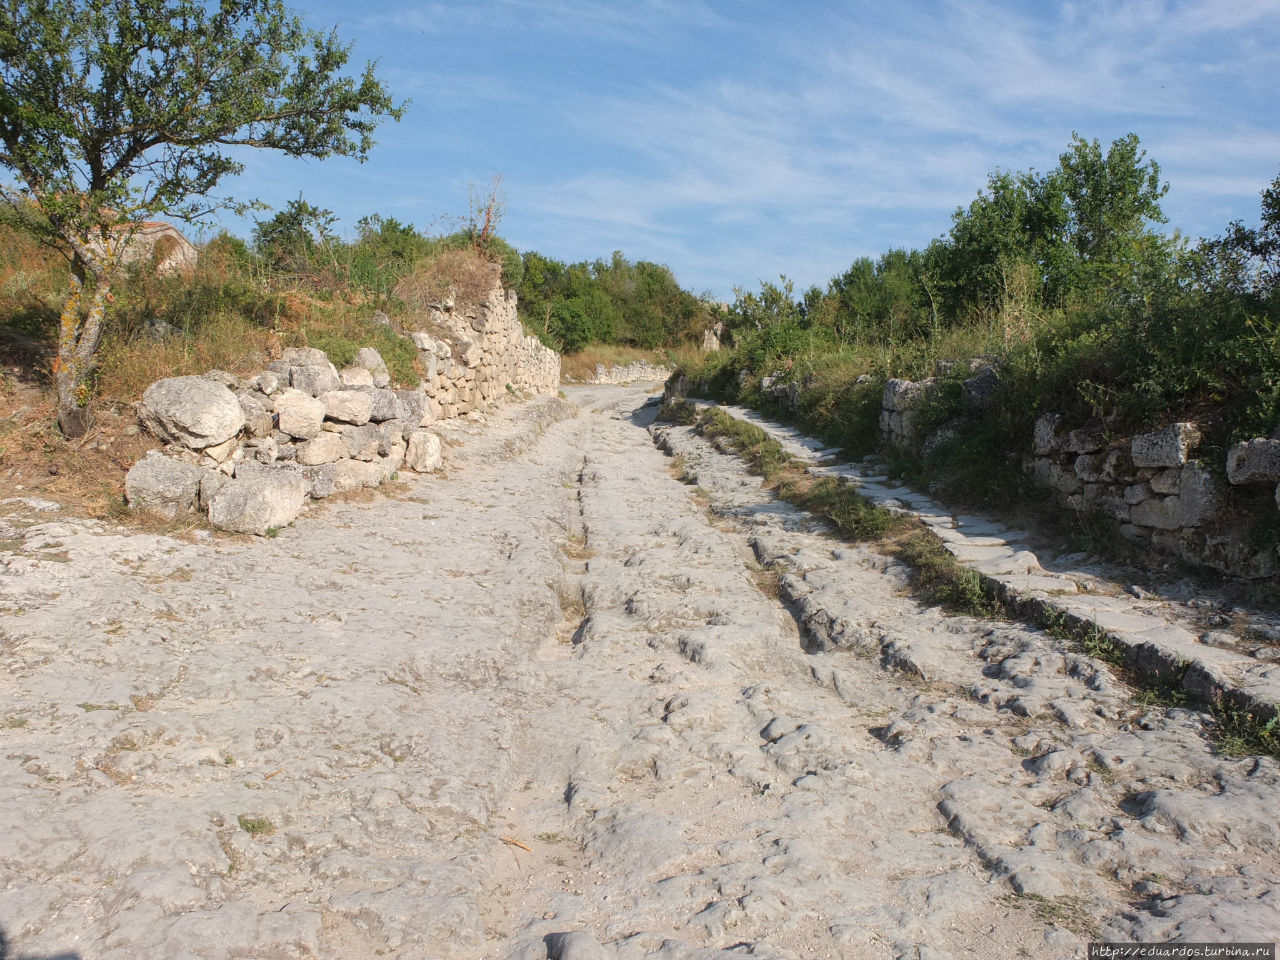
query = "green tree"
{"x": 112, "y": 111}
{"x": 290, "y": 237}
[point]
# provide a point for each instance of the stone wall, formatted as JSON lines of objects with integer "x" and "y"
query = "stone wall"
{"x": 1152, "y": 484}
{"x": 478, "y": 353}
{"x": 250, "y": 451}
{"x": 640, "y": 370}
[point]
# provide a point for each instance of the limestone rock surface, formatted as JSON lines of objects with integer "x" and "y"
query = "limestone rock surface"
{"x": 192, "y": 411}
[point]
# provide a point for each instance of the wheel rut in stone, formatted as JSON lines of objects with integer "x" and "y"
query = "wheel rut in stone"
{"x": 541, "y": 707}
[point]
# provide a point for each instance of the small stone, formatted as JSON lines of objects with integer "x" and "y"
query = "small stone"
{"x": 423, "y": 454}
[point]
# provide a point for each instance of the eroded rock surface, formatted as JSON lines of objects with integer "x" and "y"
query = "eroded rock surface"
{"x": 555, "y": 703}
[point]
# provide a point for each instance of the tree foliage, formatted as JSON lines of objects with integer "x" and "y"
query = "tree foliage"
{"x": 608, "y": 301}
{"x": 113, "y": 111}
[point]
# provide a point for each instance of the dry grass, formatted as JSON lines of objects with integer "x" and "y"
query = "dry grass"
{"x": 35, "y": 461}
{"x": 582, "y": 365}
{"x": 128, "y": 366}
{"x": 576, "y": 548}
{"x": 465, "y": 275}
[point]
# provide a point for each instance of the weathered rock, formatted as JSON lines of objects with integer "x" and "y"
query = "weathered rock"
{"x": 258, "y": 421}
{"x": 221, "y": 451}
{"x": 386, "y": 405}
{"x": 1254, "y": 461}
{"x": 902, "y": 394}
{"x": 1087, "y": 439}
{"x": 263, "y": 449}
{"x": 314, "y": 378}
{"x": 423, "y": 454}
{"x": 355, "y": 377}
{"x": 1199, "y": 499}
{"x": 210, "y": 484}
{"x": 356, "y": 474}
{"x": 192, "y": 411}
{"x": 1167, "y": 447}
{"x": 347, "y": 406}
{"x": 162, "y": 485}
{"x": 1045, "y": 439}
{"x": 1063, "y": 479}
{"x": 267, "y": 381}
{"x": 371, "y": 360}
{"x": 361, "y": 441}
{"x": 224, "y": 377}
{"x": 980, "y": 391}
{"x": 390, "y": 433}
{"x": 304, "y": 356}
{"x": 298, "y": 414}
{"x": 258, "y": 504}
{"x": 1089, "y": 466}
{"x": 1117, "y": 465}
{"x": 469, "y": 352}
{"x": 1199, "y": 494}
{"x": 574, "y": 946}
{"x": 1167, "y": 481}
{"x": 324, "y": 448}
{"x": 1138, "y": 493}
{"x": 322, "y": 479}
{"x": 416, "y": 408}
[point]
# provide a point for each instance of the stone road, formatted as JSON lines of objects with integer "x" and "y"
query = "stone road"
{"x": 560, "y": 704}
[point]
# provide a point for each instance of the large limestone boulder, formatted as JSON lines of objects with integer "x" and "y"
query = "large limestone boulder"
{"x": 191, "y": 411}
{"x": 386, "y": 405}
{"x": 362, "y": 441}
{"x": 259, "y": 503}
{"x": 326, "y": 448}
{"x": 162, "y": 485}
{"x": 347, "y": 406}
{"x": 299, "y": 414}
{"x": 424, "y": 453}
{"x": 356, "y": 474}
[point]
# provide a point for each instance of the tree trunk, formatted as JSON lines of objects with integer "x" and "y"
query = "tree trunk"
{"x": 78, "y": 337}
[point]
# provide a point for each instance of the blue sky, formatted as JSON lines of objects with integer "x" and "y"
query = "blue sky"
{"x": 736, "y": 141}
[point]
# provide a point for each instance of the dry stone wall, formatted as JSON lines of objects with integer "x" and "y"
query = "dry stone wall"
{"x": 478, "y": 353}
{"x": 249, "y": 452}
{"x": 1152, "y": 485}
{"x": 639, "y": 371}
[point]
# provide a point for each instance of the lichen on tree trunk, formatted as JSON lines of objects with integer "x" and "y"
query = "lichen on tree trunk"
{"x": 79, "y": 332}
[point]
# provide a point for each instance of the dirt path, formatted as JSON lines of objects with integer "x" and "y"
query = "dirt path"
{"x": 555, "y": 693}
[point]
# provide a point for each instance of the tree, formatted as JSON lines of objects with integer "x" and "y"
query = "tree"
{"x": 113, "y": 111}
{"x": 290, "y": 237}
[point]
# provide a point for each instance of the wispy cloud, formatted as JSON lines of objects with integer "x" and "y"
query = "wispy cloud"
{"x": 737, "y": 142}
